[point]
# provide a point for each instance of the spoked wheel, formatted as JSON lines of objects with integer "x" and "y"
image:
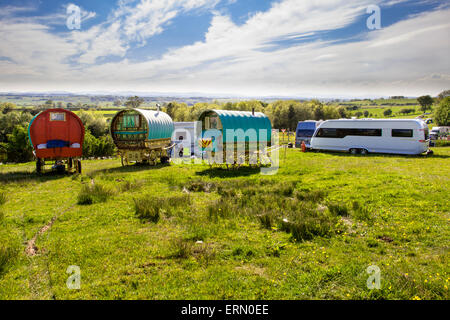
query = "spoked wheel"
{"x": 78, "y": 166}
{"x": 152, "y": 158}
{"x": 39, "y": 165}
{"x": 241, "y": 160}
{"x": 354, "y": 151}
{"x": 209, "y": 158}
{"x": 265, "y": 159}
{"x": 124, "y": 161}
{"x": 364, "y": 152}
{"x": 254, "y": 160}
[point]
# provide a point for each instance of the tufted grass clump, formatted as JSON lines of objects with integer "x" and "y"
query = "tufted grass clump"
{"x": 148, "y": 209}
{"x": 7, "y": 257}
{"x": 2, "y": 198}
{"x": 338, "y": 209}
{"x": 96, "y": 193}
{"x": 308, "y": 223}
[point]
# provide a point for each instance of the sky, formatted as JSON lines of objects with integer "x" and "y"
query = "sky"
{"x": 258, "y": 48}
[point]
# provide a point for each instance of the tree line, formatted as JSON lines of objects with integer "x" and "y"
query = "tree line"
{"x": 284, "y": 114}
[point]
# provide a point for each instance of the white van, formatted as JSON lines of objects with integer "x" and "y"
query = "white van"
{"x": 185, "y": 137}
{"x": 397, "y": 136}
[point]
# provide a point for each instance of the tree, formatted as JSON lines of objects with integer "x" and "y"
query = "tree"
{"x": 342, "y": 112}
{"x": 366, "y": 113}
{"x": 49, "y": 104}
{"x": 95, "y": 123}
{"x": 441, "y": 96}
{"x": 319, "y": 113}
{"x": 387, "y": 112}
{"x": 425, "y": 102}
{"x": 18, "y": 148}
{"x": 7, "y": 107}
{"x": 134, "y": 102}
{"x": 117, "y": 103}
{"x": 442, "y": 113}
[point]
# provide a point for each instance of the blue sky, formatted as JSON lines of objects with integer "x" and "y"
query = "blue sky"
{"x": 237, "y": 47}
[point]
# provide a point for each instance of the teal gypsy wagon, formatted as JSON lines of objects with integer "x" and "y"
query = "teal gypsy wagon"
{"x": 235, "y": 137}
{"x": 142, "y": 136}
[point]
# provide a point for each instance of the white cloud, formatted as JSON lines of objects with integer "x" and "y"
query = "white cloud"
{"x": 407, "y": 58}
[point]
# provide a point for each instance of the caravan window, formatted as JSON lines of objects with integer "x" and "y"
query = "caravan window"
{"x": 402, "y": 133}
{"x": 328, "y": 133}
{"x": 60, "y": 116}
{"x": 342, "y": 133}
{"x": 363, "y": 132}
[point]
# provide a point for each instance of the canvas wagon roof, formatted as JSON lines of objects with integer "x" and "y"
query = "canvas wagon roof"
{"x": 243, "y": 120}
{"x": 160, "y": 124}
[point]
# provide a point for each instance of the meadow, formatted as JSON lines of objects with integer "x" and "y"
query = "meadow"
{"x": 195, "y": 232}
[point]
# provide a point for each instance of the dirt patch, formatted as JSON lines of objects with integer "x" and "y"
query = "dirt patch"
{"x": 31, "y": 248}
{"x": 386, "y": 239}
{"x": 252, "y": 269}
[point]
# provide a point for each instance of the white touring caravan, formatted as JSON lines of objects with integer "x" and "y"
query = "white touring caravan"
{"x": 185, "y": 137}
{"x": 396, "y": 136}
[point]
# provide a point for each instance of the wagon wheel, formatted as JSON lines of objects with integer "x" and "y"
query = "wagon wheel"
{"x": 39, "y": 165}
{"x": 209, "y": 158}
{"x": 124, "y": 160}
{"x": 265, "y": 160}
{"x": 152, "y": 158}
{"x": 241, "y": 160}
{"x": 78, "y": 166}
{"x": 229, "y": 160}
{"x": 254, "y": 160}
{"x": 164, "y": 156}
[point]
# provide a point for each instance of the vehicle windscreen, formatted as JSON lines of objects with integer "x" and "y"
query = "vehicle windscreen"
{"x": 305, "y": 133}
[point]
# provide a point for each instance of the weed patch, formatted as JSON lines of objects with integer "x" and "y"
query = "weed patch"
{"x": 309, "y": 222}
{"x": 2, "y": 198}
{"x": 96, "y": 193}
{"x": 338, "y": 209}
{"x": 200, "y": 186}
{"x": 361, "y": 213}
{"x": 149, "y": 208}
{"x": 7, "y": 257}
{"x": 310, "y": 195}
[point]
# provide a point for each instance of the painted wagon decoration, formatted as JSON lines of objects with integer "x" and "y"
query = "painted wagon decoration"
{"x": 142, "y": 136}
{"x": 57, "y": 135}
{"x": 235, "y": 137}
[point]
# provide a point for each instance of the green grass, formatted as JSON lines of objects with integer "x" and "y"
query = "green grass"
{"x": 309, "y": 232}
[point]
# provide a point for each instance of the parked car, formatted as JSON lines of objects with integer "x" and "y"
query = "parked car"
{"x": 305, "y": 131}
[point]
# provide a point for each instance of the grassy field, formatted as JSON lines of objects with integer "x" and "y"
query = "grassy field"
{"x": 191, "y": 232}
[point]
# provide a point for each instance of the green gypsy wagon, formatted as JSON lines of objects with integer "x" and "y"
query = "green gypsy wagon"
{"x": 235, "y": 137}
{"x": 142, "y": 136}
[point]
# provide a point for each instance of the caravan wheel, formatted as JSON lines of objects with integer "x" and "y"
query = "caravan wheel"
{"x": 78, "y": 166}
{"x": 354, "y": 151}
{"x": 39, "y": 166}
{"x": 364, "y": 152}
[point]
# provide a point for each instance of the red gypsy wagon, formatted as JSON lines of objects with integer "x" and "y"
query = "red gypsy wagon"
{"x": 57, "y": 135}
